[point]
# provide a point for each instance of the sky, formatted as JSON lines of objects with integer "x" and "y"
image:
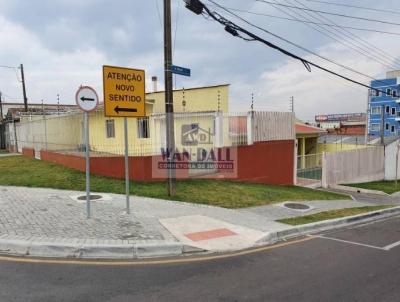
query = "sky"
{"x": 64, "y": 44}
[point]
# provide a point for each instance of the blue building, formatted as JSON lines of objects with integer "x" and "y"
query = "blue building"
{"x": 384, "y": 106}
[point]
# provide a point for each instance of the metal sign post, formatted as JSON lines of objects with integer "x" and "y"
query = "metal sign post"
{"x": 126, "y": 166}
{"x": 87, "y": 158}
{"x": 124, "y": 96}
{"x": 87, "y": 100}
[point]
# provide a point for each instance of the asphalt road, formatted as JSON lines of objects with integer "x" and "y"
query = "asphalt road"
{"x": 355, "y": 264}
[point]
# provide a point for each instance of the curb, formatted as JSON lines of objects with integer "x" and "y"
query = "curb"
{"x": 161, "y": 248}
{"x": 315, "y": 227}
{"x": 351, "y": 197}
{"x": 91, "y": 251}
{"x": 359, "y": 190}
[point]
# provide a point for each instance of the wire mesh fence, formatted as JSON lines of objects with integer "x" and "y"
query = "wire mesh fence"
{"x": 310, "y": 166}
{"x": 147, "y": 136}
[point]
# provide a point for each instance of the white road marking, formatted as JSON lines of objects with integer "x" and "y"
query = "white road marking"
{"x": 390, "y": 246}
{"x": 361, "y": 225}
{"x": 351, "y": 242}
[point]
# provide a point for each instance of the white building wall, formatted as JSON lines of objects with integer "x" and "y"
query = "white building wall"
{"x": 353, "y": 166}
{"x": 391, "y": 152}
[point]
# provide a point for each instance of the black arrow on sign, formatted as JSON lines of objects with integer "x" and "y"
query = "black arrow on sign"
{"x": 118, "y": 109}
{"x": 86, "y": 99}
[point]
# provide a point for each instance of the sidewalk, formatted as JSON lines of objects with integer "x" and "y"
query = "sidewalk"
{"x": 52, "y": 223}
{"x": 9, "y": 154}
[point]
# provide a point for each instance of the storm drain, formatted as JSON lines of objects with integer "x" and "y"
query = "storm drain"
{"x": 296, "y": 206}
{"x": 91, "y": 197}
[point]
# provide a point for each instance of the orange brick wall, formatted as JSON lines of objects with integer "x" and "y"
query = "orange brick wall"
{"x": 28, "y": 152}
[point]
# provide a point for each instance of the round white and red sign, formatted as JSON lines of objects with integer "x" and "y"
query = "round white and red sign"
{"x": 86, "y": 98}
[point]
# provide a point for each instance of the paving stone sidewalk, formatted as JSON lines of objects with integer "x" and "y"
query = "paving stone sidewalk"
{"x": 55, "y": 216}
{"x": 48, "y": 214}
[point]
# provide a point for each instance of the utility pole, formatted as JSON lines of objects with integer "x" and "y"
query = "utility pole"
{"x": 169, "y": 105}
{"x": 23, "y": 87}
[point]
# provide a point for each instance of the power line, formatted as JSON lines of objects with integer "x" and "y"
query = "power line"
{"x": 13, "y": 68}
{"x": 9, "y": 96}
{"x": 176, "y": 29}
{"x": 311, "y": 22}
{"x": 294, "y": 44}
{"x": 10, "y": 67}
{"x": 174, "y": 42}
{"x": 158, "y": 12}
{"x": 330, "y": 13}
{"x": 336, "y": 37}
{"x": 234, "y": 30}
{"x": 347, "y": 33}
{"x": 356, "y": 48}
{"x": 356, "y": 6}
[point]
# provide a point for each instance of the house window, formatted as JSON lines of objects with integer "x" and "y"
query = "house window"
{"x": 375, "y": 127}
{"x": 388, "y": 92}
{"x": 393, "y": 111}
{"x": 143, "y": 127}
{"x": 394, "y": 93}
{"x": 377, "y": 92}
{"x": 110, "y": 128}
{"x": 376, "y": 110}
{"x": 387, "y": 109}
{"x": 392, "y": 129}
{"x": 387, "y": 126}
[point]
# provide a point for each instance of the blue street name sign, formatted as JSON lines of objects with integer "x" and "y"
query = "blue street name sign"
{"x": 180, "y": 70}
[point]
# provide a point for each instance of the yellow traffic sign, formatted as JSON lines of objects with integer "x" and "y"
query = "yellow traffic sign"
{"x": 124, "y": 92}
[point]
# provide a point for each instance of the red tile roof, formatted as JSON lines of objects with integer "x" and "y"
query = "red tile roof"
{"x": 307, "y": 129}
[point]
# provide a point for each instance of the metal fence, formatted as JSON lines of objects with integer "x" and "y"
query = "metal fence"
{"x": 147, "y": 136}
{"x": 270, "y": 126}
{"x": 64, "y": 133}
{"x": 309, "y": 166}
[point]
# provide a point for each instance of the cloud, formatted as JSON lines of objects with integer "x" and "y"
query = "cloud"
{"x": 64, "y": 43}
{"x": 319, "y": 92}
{"x": 47, "y": 72}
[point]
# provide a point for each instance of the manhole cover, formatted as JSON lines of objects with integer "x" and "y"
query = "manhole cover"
{"x": 296, "y": 206}
{"x": 91, "y": 197}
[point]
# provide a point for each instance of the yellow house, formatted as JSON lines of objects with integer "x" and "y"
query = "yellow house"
{"x": 194, "y": 106}
{"x": 307, "y": 145}
{"x": 335, "y": 143}
{"x": 210, "y": 98}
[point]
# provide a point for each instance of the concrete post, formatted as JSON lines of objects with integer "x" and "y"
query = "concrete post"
{"x": 250, "y": 132}
{"x": 303, "y": 152}
{"x": 324, "y": 183}
{"x": 295, "y": 162}
{"x": 219, "y": 130}
{"x": 15, "y": 138}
